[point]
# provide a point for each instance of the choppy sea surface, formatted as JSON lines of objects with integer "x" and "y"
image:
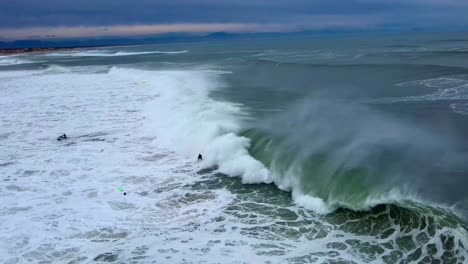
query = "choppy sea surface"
{"x": 315, "y": 150}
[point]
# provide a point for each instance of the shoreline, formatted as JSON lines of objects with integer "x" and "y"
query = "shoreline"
{"x": 17, "y": 51}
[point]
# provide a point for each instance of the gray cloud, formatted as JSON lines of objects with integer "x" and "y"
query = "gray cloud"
{"x": 294, "y": 14}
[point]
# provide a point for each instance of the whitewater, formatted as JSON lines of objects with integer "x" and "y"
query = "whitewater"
{"x": 137, "y": 128}
{"x": 69, "y": 190}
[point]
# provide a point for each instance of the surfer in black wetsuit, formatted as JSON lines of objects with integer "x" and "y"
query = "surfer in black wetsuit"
{"x": 200, "y": 157}
{"x": 62, "y": 137}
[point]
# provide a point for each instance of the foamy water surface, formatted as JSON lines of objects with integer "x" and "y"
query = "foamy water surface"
{"x": 125, "y": 187}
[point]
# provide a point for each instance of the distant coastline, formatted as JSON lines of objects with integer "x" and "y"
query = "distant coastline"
{"x": 12, "y": 51}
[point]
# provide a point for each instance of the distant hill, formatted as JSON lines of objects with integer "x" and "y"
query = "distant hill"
{"x": 219, "y": 35}
{"x": 160, "y": 39}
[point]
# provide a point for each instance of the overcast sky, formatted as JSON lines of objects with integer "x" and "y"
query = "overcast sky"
{"x": 90, "y": 18}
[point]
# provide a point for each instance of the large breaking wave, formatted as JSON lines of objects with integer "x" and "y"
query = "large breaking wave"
{"x": 328, "y": 154}
{"x": 331, "y": 157}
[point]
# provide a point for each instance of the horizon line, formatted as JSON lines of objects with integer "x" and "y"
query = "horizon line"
{"x": 141, "y": 30}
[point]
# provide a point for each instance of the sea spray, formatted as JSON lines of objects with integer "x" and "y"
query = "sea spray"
{"x": 186, "y": 119}
{"x": 348, "y": 154}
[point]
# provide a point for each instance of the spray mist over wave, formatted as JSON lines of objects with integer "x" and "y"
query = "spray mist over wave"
{"x": 346, "y": 155}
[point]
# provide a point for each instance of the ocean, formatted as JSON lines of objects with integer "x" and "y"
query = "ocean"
{"x": 315, "y": 150}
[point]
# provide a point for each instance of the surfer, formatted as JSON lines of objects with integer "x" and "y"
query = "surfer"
{"x": 62, "y": 137}
{"x": 200, "y": 157}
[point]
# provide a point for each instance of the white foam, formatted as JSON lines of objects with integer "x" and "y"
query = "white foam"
{"x": 61, "y": 202}
{"x": 453, "y": 93}
{"x": 312, "y": 203}
{"x": 460, "y": 108}
{"x": 127, "y": 53}
{"x": 441, "y": 82}
{"x": 449, "y": 88}
{"x": 98, "y": 53}
{"x": 19, "y": 73}
{"x": 186, "y": 120}
{"x": 13, "y": 60}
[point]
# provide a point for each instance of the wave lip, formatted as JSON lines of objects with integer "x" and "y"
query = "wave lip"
{"x": 187, "y": 120}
